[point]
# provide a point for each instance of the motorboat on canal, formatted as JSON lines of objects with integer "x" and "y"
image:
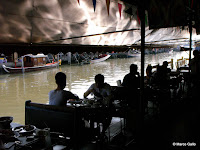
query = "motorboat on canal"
{"x": 101, "y": 58}
{"x": 133, "y": 53}
{"x": 32, "y": 63}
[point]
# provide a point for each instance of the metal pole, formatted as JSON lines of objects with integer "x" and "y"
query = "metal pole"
{"x": 141, "y": 103}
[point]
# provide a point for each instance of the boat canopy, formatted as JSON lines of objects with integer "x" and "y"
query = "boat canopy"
{"x": 35, "y": 56}
{"x": 57, "y": 22}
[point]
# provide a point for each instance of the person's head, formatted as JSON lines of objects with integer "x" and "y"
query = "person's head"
{"x": 60, "y": 78}
{"x": 99, "y": 80}
{"x": 133, "y": 68}
{"x": 195, "y": 53}
{"x": 165, "y": 63}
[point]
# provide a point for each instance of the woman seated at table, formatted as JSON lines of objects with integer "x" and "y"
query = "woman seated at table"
{"x": 59, "y": 96}
{"x": 100, "y": 89}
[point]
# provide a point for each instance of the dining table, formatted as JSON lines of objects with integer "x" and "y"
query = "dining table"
{"x": 93, "y": 110}
{"x": 96, "y": 114}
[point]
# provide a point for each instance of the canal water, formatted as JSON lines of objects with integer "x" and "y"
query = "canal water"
{"x": 15, "y": 89}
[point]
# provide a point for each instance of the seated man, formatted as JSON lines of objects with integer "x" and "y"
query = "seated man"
{"x": 59, "y": 96}
{"x": 165, "y": 65}
{"x": 132, "y": 79}
{"x": 131, "y": 82}
{"x": 101, "y": 90}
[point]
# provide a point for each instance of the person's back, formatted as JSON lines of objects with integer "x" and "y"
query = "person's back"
{"x": 59, "y": 96}
{"x": 165, "y": 67}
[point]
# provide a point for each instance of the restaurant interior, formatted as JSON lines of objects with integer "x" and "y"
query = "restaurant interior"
{"x": 162, "y": 120}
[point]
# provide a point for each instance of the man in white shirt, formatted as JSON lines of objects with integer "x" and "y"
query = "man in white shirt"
{"x": 102, "y": 92}
{"x": 59, "y": 96}
{"x": 100, "y": 89}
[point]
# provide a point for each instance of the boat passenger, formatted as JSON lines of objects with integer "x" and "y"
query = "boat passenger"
{"x": 59, "y": 96}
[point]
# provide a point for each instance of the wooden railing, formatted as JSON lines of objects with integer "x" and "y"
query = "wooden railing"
{"x": 170, "y": 63}
{"x": 182, "y": 62}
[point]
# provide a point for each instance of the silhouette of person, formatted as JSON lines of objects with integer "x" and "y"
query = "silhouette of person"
{"x": 160, "y": 78}
{"x": 195, "y": 63}
{"x": 100, "y": 89}
{"x": 102, "y": 92}
{"x": 132, "y": 79}
{"x": 148, "y": 74}
{"x": 165, "y": 64}
{"x": 131, "y": 84}
{"x": 59, "y": 96}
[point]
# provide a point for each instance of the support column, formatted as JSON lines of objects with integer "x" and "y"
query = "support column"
{"x": 141, "y": 103}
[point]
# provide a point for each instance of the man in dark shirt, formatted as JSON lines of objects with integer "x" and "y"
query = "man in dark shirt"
{"x": 131, "y": 83}
{"x": 132, "y": 79}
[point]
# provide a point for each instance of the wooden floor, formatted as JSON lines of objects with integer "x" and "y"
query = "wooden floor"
{"x": 115, "y": 129}
{"x": 180, "y": 124}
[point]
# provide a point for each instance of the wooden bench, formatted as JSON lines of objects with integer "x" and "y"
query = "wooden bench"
{"x": 59, "y": 119}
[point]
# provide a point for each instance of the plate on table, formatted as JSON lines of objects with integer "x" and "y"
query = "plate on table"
{"x": 25, "y": 129}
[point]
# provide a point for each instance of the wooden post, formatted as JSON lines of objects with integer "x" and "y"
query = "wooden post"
{"x": 22, "y": 64}
{"x": 15, "y": 58}
{"x": 172, "y": 64}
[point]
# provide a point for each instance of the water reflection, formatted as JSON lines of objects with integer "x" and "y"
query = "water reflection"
{"x": 15, "y": 89}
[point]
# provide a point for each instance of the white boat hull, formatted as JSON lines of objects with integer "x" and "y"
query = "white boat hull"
{"x": 29, "y": 69}
{"x": 100, "y": 59}
{"x": 134, "y": 54}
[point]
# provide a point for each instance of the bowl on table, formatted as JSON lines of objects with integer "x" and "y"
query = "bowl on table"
{"x": 5, "y": 122}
